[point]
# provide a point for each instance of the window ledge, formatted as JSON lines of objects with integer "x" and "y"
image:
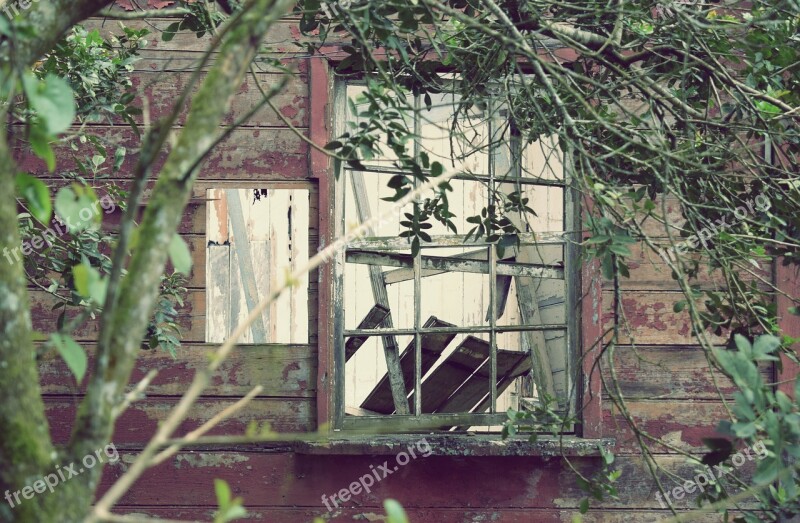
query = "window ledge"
{"x": 457, "y": 445}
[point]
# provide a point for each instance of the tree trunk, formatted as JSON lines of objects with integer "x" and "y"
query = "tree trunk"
{"x": 26, "y": 451}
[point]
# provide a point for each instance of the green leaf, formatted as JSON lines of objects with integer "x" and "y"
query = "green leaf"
{"x": 72, "y": 353}
{"x": 679, "y": 306}
{"x": 394, "y": 512}
{"x": 53, "y": 101}
{"x": 223, "y": 492}
{"x": 89, "y": 283}
{"x": 766, "y": 472}
{"x": 78, "y": 207}
{"x": 37, "y": 195}
{"x": 179, "y": 255}
{"x": 608, "y": 457}
{"x": 764, "y": 346}
{"x": 584, "y": 507}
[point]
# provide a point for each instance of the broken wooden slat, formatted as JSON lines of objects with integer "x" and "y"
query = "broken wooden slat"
{"x": 390, "y": 347}
{"x": 452, "y": 372}
{"x": 446, "y": 263}
{"x": 477, "y": 386}
{"x": 503, "y": 286}
{"x": 375, "y": 317}
{"x": 380, "y": 398}
{"x": 523, "y": 366}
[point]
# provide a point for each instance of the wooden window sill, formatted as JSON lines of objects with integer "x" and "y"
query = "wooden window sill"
{"x": 456, "y": 445}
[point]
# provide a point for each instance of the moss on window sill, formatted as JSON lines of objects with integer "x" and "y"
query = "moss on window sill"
{"x": 455, "y": 445}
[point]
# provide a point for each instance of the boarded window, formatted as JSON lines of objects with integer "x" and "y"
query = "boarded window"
{"x": 467, "y": 329}
{"x": 253, "y": 237}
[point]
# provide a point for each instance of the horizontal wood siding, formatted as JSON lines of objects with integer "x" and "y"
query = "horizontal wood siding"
{"x": 664, "y": 376}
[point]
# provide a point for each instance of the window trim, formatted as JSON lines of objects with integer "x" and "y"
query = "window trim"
{"x": 586, "y": 288}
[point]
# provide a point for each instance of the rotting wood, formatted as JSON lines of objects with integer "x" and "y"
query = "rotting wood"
{"x": 471, "y": 393}
{"x": 433, "y": 345}
{"x": 452, "y": 372}
{"x": 525, "y": 287}
{"x": 376, "y": 315}
{"x": 393, "y": 243}
{"x": 249, "y": 286}
{"x": 390, "y": 346}
{"x": 406, "y": 274}
{"x": 440, "y": 264}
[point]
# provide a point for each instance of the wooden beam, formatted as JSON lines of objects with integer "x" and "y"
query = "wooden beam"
{"x": 453, "y": 372}
{"x": 401, "y": 275}
{"x": 375, "y": 317}
{"x": 242, "y": 246}
{"x": 450, "y": 264}
{"x": 394, "y": 243}
{"x": 433, "y": 344}
{"x": 474, "y": 391}
{"x": 390, "y": 346}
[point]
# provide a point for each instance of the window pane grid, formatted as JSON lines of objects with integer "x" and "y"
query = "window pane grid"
{"x": 516, "y": 177}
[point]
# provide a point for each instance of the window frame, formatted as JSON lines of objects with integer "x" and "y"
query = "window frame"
{"x": 335, "y": 406}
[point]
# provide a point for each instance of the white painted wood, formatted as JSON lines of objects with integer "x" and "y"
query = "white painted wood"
{"x": 248, "y": 252}
{"x": 461, "y": 298}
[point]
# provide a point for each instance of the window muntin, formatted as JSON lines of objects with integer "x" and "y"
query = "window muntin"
{"x": 443, "y": 321}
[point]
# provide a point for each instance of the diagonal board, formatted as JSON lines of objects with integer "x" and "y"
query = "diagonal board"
{"x": 380, "y": 399}
{"x": 452, "y": 372}
{"x": 242, "y": 244}
{"x": 477, "y": 386}
{"x": 522, "y": 367}
{"x": 376, "y": 315}
{"x": 390, "y": 348}
{"x": 527, "y": 300}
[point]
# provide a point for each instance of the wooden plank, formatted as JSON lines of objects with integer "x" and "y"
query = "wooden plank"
{"x": 452, "y": 372}
{"x": 394, "y": 243}
{"x": 375, "y": 317}
{"x": 477, "y": 386}
{"x": 282, "y": 370}
{"x": 504, "y": 158}
{"x": 278, "y": 480}
{"x": 299, "y": 233}
{"x": 682, "y": 424}
{"x": 451, "y": 264}
{"x": 218, "y": 294}
{"x": 674, "y": 373}
{"x": 433, "y": 345}
{"x": 264, "y": 154}
{"x": 401, "y": 275}
{"x": 390, "y": 347}
{"x": 522, "y": 368}
{"x": 437, "y": 514}
{"x": 503, "y": 286}
{"x": 137, "y": 425}
{"x": 161, "y": 91}
{"x": 241, "y": 244}
{"x": 280, "y": 260}
{"x": 652, "y": 320}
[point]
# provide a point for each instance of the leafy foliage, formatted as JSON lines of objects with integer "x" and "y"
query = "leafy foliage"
{"x": 678, "y": 121}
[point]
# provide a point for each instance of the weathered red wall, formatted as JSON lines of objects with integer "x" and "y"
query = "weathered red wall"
{"x": 665, "y": 379}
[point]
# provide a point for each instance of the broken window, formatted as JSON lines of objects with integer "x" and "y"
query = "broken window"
{"x": 465, "y": 329}
{"x": 253, "y": 236}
